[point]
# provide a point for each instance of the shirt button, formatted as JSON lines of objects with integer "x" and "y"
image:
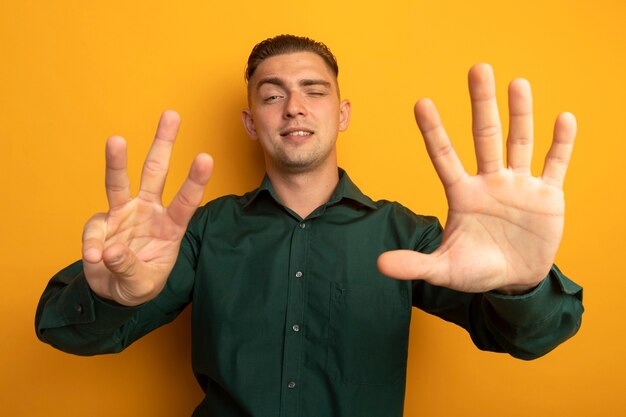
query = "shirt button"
{"x": 298, "y": 274}
{"x": 78, "y": 308}
{"x": 296, "y": 327}
{"x": 302, "y": 225}
{"x": 291, "y": 385}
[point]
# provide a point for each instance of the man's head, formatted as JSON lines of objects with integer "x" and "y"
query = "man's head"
{"x": 295, "y": 111}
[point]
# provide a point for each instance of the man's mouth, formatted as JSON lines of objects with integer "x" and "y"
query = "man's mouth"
{"x": 296, "y": 132}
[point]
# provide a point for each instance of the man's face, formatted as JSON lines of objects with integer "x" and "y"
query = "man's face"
{"x": 295, "y": 112}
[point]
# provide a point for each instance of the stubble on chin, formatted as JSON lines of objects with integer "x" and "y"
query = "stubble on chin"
{"x": 299, "y": 162}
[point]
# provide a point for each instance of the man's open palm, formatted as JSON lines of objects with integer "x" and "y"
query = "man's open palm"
{"x": 129, "y": 252}
{"x": 504, "y": 226}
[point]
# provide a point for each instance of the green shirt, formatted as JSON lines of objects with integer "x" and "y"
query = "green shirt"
{"x": 291, "y": 316}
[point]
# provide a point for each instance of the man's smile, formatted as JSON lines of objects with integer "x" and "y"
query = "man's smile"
{"x": 296, "y": 131}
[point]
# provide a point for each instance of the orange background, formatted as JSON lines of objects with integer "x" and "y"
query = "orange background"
{"x": 73, "y": 73}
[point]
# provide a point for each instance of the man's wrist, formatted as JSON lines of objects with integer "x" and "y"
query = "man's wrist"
{"x": 516, "y": 289}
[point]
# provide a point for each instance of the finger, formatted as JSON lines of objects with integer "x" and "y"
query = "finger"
{"x": 520, "y": 140}
{"x": 120, "y": 260}
{"x": 116, "y": 180}
{"x": 189, "y": 196}
{"x": 443, "y": 156}
{"x": 94, "y": 234}
{"x": 560, "y": 152}
{"x": 411, "y": 265}
{"x": 157, "y": 162}
{"x": 485, "y": 119}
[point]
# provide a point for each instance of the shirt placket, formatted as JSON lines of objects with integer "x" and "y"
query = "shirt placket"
{"x": 292, "y": 356}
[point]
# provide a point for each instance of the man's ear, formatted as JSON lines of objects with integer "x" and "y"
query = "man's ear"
{"x": 344, "y": 115}
{"x": 248, "y": 123}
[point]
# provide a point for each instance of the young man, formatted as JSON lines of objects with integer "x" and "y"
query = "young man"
{"x": 292, "y": 312}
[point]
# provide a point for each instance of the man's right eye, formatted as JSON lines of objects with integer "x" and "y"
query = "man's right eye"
{"x": 270, "y": 99}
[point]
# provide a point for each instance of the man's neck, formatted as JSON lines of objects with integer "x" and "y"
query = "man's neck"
{"x": 304, "y": 192}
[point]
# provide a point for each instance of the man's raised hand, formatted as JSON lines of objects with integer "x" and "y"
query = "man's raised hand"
{"x": 129, "y": 252}
{"x": 504, "y": 226}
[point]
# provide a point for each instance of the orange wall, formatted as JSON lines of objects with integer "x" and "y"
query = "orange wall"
{"x": 74, "y": 72}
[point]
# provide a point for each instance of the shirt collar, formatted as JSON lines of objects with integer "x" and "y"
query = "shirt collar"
{"x": 345, "y": 189}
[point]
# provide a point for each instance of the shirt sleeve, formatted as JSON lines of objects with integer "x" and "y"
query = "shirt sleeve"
{"x": 526, "y": 326}
{"x": 72, "y": 318}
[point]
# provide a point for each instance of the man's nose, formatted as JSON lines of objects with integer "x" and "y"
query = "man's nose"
{"x": 295, "y": 106}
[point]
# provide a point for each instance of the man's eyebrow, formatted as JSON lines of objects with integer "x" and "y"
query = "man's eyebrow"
{"x": 270, "y": 80}
{"x": 304, "y": 82}
{"x": 308, "y": 82}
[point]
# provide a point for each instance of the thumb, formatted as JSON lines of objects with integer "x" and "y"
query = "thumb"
{"x": 409, "y": 265}
{"x": 120, "y": 260}
{"x": 94, "y": 234}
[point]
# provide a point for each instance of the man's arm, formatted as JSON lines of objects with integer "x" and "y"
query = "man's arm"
{"x": 120, "y": 290}
{"x": 72, "y": 318}
{"x": 491, "y": 271}
{"x": 526, "y": 326}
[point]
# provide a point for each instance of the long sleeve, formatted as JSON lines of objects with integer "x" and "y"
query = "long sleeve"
{"x": 526, "y": 326}
{"x": 72, "y": 318}
{"x": 532, "y": 324}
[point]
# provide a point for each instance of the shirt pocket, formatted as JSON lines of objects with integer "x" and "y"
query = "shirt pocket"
{"x": 368, "y": 334}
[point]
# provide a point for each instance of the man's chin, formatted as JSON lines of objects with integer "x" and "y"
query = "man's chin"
{"x": 299, "y": 163}
{"x": 299, "y": 166}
